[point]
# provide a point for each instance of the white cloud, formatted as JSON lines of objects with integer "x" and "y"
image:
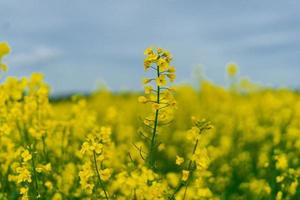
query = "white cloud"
{"x": 37, "y": 56}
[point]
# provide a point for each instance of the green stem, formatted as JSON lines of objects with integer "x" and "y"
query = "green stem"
{"x": 185, "y": 191}
{"x": 44, "y": 149}
{"x": 36, "y": 187}
{"x": 151, "y": 160}
{"x": 99, "y": 178}
{"x": 181, "y": 184}
{"x": 62, "y": 149}
{"x": 1, "y": 178}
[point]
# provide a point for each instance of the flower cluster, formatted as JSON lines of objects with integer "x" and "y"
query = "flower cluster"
{"x": 93, "y": 172}
{"x": 4, "y": 50}
{"x": 158, "y": 95}
{"x": 197, "y": 162}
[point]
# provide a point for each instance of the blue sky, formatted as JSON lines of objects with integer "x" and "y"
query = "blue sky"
{"x": 79, "y": 45}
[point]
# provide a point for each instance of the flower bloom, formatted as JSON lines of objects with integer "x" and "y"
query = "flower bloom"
{"x": 161, "y": 80}
{"x": 185, "y": 175}
{"x": 179, "y": 160}
{"x": 4, "y": 49}
{"x": 232, "y": 69}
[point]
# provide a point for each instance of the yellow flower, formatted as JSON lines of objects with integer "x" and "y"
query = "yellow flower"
{"x": 155, "y": 106}
{"x": 171, "y": 77}
{"x": 162, "y": 64}
{"x": 148, "y": 90}
{"x": 97, "y": 147}
{"x": 24, "y": 193}
{"x": 147, "y": 64}
{"x": 105, "y": 174}
{"x": 4, "y": 49}
{"x": 23, "y": 175}
{"x": 185, "y": 175}
{"x": 279, "y": 195}
{"x": 232, "y": 69}
{"x": 36, "y": 78}
{"x": 49, "y": 185}
{"x": 57, "y": 196}
{"x": 85, "y": 147}
{"x": 85, "y": 175}
{"x": 89, "y": 188}
{"x": 142, "y": 99}
{"x": 201, "y": 158}
{"x": 279, "y": 179}
{"x": 179, "y": 160}
{"x": 293, "y": 187}
{"x": 281, "y": 161}
{"x": 161, "y": 147}
{"x": 148, "y": 51}
{"x": 44, "y": 168}
{"x": 26, "y": 156}
{"x": 168, "y": 56}
{"x": 152, "y": 58}
{"x": 161, "y": 80}
{"x": 146, "y": 80}
{"x": 23, "y": 190}
{"x": 171, "y": 69}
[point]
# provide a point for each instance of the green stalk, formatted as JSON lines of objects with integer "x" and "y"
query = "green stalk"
{"x": 151, "y": 159}
{"x": 36, "y": 187}
{"x": 99, "y": 178}
{"x": 181, "y": 184}
{"x": 44, "y": 149}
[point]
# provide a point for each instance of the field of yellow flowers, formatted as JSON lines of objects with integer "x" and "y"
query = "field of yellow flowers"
{"x": 170, "y": 142}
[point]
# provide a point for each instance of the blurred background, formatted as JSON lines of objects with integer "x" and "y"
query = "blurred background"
{"x": 81, "y": 45}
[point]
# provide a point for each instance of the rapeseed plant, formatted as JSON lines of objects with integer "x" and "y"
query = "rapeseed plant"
{"x": 85, "y": 147}
{"x": 159, "y": 96}
{"x": 94, "y": 149}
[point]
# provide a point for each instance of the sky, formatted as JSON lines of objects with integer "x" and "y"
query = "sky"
{"x": 82, "y": 45}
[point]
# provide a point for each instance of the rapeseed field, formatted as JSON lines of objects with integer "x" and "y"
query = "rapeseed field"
{"x": 169, "y": 142}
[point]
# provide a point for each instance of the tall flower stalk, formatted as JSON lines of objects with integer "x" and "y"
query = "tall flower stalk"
{"x": 160, "y": 98}
{"x": 198, "y": 160}
{"x": 94, "y": 174}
